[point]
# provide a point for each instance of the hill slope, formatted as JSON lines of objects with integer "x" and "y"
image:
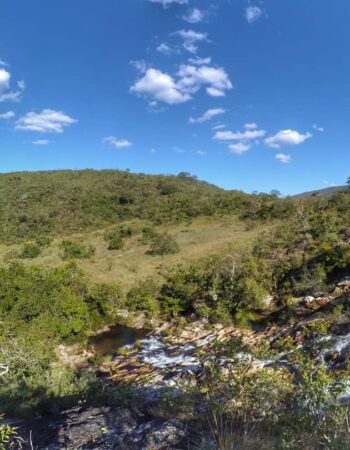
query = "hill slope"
{"x": 327, "y": 192}
{"x": 62, "y": 202}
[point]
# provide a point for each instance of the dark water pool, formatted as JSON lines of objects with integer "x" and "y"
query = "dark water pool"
{"x": 116, "y": 337}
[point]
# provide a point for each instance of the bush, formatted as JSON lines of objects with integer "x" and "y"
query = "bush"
{"x": 30, "y": 251}
{"x": 43, "y": 241}
{"x": 116, "y": 237}
{"x": 164, "y": 244}
{"x": 143, "y": 298}
{"x": 72, "y": 249}
{"x": 115, "y": 243}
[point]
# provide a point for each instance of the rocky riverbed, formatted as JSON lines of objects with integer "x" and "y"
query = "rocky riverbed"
{"x": 172, "y": 358}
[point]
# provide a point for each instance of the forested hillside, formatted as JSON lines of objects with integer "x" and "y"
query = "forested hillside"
{"x": 69, "y": 201}
{"x": 62, "y": 202}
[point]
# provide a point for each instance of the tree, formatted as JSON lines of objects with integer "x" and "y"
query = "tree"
{"x": 275, "y": 193}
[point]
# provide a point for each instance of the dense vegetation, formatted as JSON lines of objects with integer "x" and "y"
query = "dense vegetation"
{"x": 62, "y": 202}
{"x": 306, "y": 251}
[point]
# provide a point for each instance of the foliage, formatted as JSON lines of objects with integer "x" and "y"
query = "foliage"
{"x": 6, "y": 433}
{"x": 144, "y": 298}
{"x": 72, "y": 249}
{"x": 30, "y": 251}
{"x": 65, "y": 202}
{"x": 163, "y": 244}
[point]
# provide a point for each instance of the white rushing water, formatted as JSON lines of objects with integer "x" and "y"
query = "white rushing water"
{"x": 162, "y": 355}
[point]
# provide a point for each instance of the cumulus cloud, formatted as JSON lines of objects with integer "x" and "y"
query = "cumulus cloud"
{"x": 160, "y": 86}
{"x": 283, "y": 158}
{"x": 194, "y": 15}
{"x": 42, "y": 142}
{"x": 7, "y": 115}
{"x": 286, "y": 137}
{"x": 6, "y": 94}
{"x": 166, "y": 3}
{"x": 317, "y": 128}
{"x": 47, "y": 121}
{"x": 208, "y": 115}
{"x": 191, "y": 39}
{"x": 200, "y": 61}
{"x": 116, "y": 143}
{"x": 3, "y": 63}
{"x": 215, "y": 78}
{"x": 252, "y": 13}
{"x": 239, "y": 148}
{"x": 239, "y": 135}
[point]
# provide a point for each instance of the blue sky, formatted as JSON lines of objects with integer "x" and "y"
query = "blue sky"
{"x": 250, "y": 95}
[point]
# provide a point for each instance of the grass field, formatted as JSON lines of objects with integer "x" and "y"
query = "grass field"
{"x": 198, "y": 238}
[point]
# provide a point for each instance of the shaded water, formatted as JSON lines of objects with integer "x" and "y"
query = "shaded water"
{"x": 116, "y": 337}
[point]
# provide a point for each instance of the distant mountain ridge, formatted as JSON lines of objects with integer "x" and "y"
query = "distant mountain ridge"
{"x": 327, "y": 192}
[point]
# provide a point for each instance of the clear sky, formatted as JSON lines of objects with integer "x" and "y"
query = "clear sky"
{"x": 250, "y": 95}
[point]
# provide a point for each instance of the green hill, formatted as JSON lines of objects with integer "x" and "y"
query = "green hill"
{"x": 63, "y": 202}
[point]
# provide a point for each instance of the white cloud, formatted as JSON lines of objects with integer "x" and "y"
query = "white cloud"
{"x": 6, "y": 95}
{"x": 165, "y": 49}
{"x": 287, "y": 137}
{"x": 194, "y": 15}
{"x": 116, "y": 143}
{"x": 42, "y": 142}
{"x": 239, "y": 148}
{"x": 5, "y": 77}
{"x": 7, "y": 115}
{"x": 201, "y": 152}
{"x": 250, "y": 126}
{"x": 3, "y": 63}
{"x": 283, "y": 158}
{"x": 167, "y": 3}
{"x": 239, "y": 135}
{"x": 192, "y": 78}
{"x": 47, "y": 121}
{"x": 200, "y": 61}
{"x": 252, "y": 13}
{"x": 191, "y": 38}
{"x": 208, "y": 115}
{"x": 160, "y": 86}
{"x": 317, "y": 128}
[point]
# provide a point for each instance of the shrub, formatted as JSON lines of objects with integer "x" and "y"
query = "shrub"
{"x": 115, "y": 243}
{"x": 30, "y": 251}
{"x": 164, "y": 244}
{"x": 72, "y": 249}
{"x": 43, "y": 241}
{"x": 143, "y": 298}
